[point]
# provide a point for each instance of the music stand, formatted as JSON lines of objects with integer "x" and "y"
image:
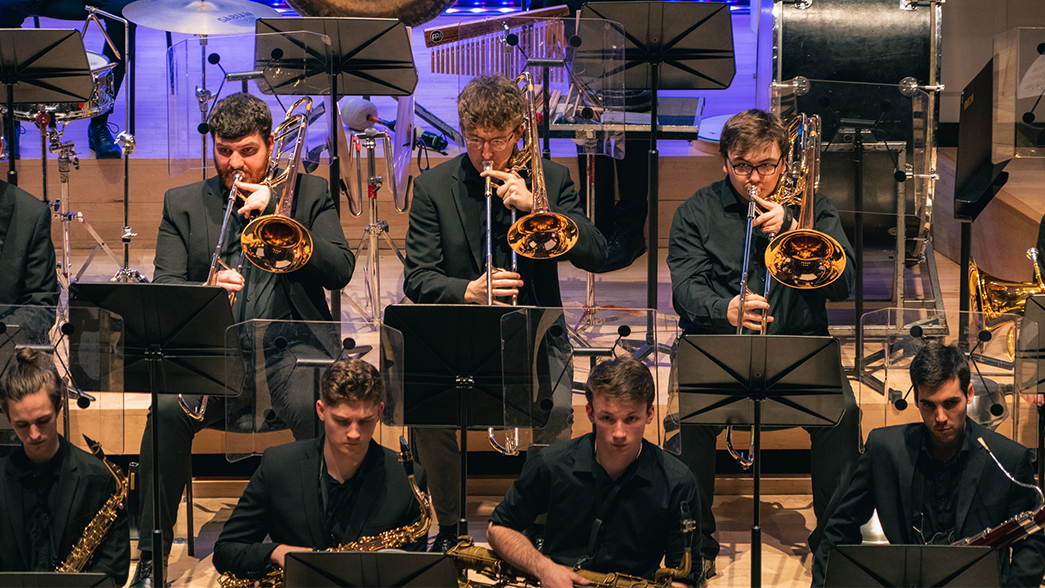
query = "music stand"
{"x": 764, "y": 380}
{"x": 354, "y": 568}
{"x": 1030, "y": 365}
{"x": 670, "y": 46}
{"x": 55, "y": 580}
{"x": 453, "y": 372}
{"x": 852, "y": 566}
{"x": 174, "y": 341}
{"x": 41, "y": 66}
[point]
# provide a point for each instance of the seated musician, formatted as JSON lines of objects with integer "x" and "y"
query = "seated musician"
{"x": 13, "y": 12}
{"x": 613, "y": 500}
{"x": 932, "y": 482}
{"x": 446, "y": 259}
{"x": 241, "y": 128}
{"x": 50, "y": 490}
{"x": 27, "y": 259}
{"x": 705, "y": 257}
{"x": 321, "y": 493}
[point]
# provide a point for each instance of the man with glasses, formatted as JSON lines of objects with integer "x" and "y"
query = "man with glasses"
{"x": 446, "y": 251}
{"x": 705, "y": 256}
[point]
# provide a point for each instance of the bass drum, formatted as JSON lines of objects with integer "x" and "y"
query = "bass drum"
{"x": 100, "y": 102}
{"x": 412, "y": 13}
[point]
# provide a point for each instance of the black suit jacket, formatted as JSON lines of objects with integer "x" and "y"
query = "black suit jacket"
{"x": 445, "y": 246}
{"x": 883, "y": 481}
{"x": 83, "y": 486}
{"x": 191, "y": 222}
{"x": 282, "y": 501}
{"x": 27, "y": 261}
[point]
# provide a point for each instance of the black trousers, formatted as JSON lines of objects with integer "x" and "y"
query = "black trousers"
{"x": 833, "y": 455}
{"x": 631, "y": 180}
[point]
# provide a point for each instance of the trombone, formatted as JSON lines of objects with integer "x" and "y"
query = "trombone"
{"x": 803, "y": 258}
{"x": 273, "y": 242}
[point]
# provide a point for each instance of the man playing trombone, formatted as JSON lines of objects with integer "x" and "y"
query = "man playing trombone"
{"x": 705, "y": 256}
{"x": 445, "y": 256}
{"x": 241, "y": 128}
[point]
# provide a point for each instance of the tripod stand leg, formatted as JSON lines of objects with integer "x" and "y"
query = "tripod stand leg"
{"x": 101, "y": 245}
{"x": 364, "y": 241}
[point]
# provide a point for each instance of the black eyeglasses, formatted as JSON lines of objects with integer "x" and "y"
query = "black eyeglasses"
{"x": 743, "y": 169}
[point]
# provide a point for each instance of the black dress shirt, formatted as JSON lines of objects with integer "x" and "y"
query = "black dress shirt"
{"x": 265, "y": 295}
{"x": 705, "y": 256}
{"x": 937, "y": 482}
{"x": 340, "y": 497}
{"x": 38, "y": 504}
{"x": 640, "y": 517}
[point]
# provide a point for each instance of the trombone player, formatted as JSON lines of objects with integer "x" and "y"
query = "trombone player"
{"x": 241, "y": 129}
{"x": 446, "y": 260}
{"x": 705, "y": 257}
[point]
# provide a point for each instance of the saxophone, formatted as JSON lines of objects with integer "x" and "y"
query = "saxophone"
{"x": 468, "y": 556}
{"x": 95, "y": 531}
{"x": 391, "y": 539}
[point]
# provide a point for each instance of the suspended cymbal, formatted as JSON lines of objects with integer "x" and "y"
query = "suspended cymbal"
{"x": 198, "y": 17}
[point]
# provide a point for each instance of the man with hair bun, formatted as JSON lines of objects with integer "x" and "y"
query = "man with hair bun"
{"x": 49, "y": 488}
{"x": 933, "y": 483}
{"x": 613, "y": 500}
{"x": 320, "y": 493}
{"x": 241, "y": 129}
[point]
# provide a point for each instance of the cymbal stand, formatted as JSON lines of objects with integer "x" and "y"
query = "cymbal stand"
{"x": 376, "y": 229}
{"x": 66, "y": 159}
{"x": 587, "y": 318}
{"x": 203, "y": 96}
{"x": 126, "y": 141}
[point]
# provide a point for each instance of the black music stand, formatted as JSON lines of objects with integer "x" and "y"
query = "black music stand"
{"x": 174, "y": 342}
{"x": 759, "y": 380}
{"x": 41, "y": 66}
{"x": 670, "y": 46}
{"x": 366, "y": 57}
{"x": 453, "y": 372}
{"x": 863, "y": 566}
{"x": 55, "y": 580}
{"x": 376, "y": 569}
{"x": 1030, "y": 354}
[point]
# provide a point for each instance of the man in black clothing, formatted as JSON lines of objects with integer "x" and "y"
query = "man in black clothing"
{"x": 326, "y": 492}
{"x": 933, "y": 483}
{"x": 614, "y": 502}
{"x": 50, "y": 489}
{"x": 241, "y": 128}
{"x": 13, "y": 12}
{"x": 705, "y": 256}
{"x": 446, "y": 259}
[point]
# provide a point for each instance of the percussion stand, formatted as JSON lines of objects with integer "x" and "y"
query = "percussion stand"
{"x": 376, "y": 229}
{"x": 127, "y": 144}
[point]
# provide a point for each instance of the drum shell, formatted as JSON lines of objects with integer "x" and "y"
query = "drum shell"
{"x": 100, "y": 102}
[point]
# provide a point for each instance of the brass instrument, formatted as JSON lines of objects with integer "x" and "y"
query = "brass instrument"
{"x": 1015, "y": 529}
{"x": 96, "y": 530}
{"x": 806, "y": 258}
{"x": 276, "y": 242}
{"x": 542, "y": 234}
{"x": 994, "y": 297}
{"x": 391, "y": 539}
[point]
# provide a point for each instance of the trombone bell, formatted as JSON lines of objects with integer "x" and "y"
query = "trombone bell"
{"x": 543, "y": 235}
{"x": 805, "y": 259}
{"x": 277, "y": 244}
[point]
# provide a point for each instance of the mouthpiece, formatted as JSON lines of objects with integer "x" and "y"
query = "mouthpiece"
{"x": 487, "y": 165}
{"x": 752, "y": 191}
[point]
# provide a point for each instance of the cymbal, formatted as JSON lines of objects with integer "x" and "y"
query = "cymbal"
{"x": 198, "y": 17}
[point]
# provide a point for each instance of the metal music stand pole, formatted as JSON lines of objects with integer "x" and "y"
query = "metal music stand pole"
{"x": 696, "y": 57}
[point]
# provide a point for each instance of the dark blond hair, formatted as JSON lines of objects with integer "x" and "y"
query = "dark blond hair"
{"x": 30, "y": 372}
{"x": 490, "y": 103}
{"x": 351, "y": 380}
{"x": 750, "y": 130}
{"x": 624, "y": 378}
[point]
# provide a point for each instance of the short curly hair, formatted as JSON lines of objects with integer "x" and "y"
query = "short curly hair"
{"x": 490, "y": 103}
{"x": 351, "y": 380}
{"x": 239, "y": 115}
{"x": 623, "y": 378}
